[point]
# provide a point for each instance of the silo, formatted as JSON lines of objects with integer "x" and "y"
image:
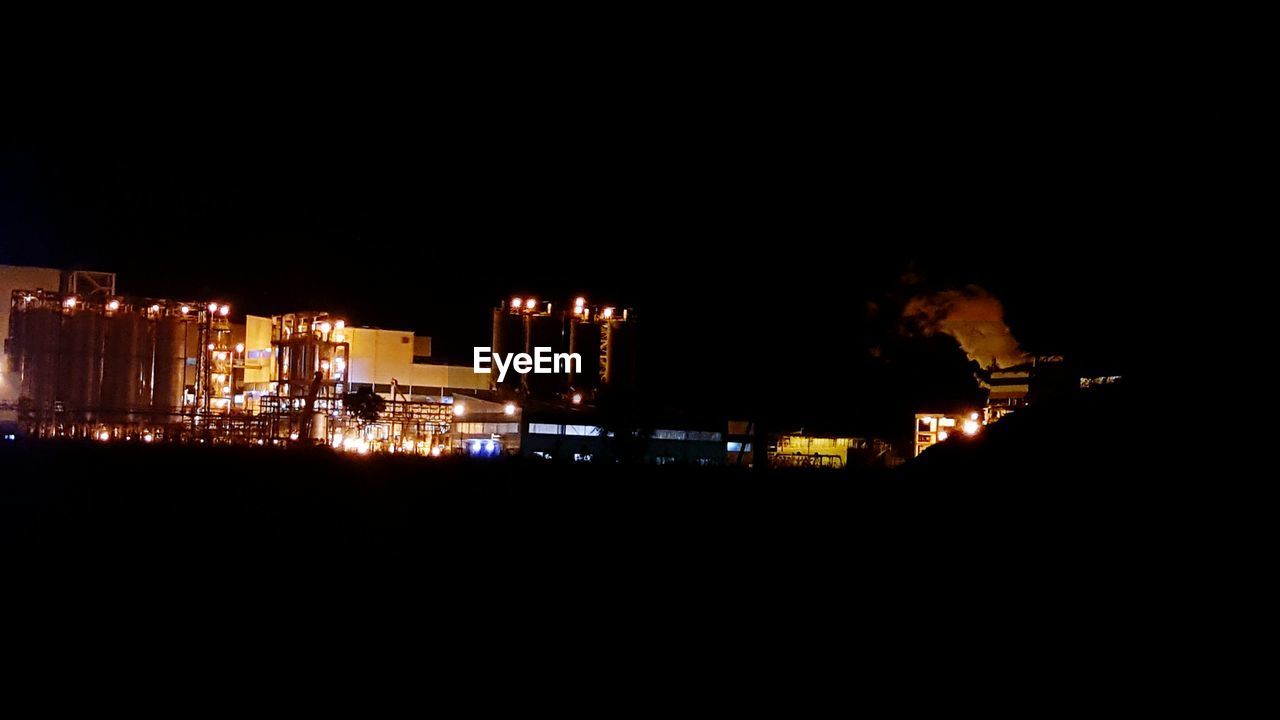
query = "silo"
{"x": 120, "y": 363}
{"x": 543, "y": 331}
{"x": 620, "y": 353}
{"x": 508, "y": 337}
{"x": 144, "y": 352}
{"x": 170, "y": 360}
{"x": 584, "y": 339}
{"x": 80, "y": 367}
{"x": 41, "y": 332}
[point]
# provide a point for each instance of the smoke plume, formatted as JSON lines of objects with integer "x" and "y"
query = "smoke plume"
{"x": 972, "y": 316}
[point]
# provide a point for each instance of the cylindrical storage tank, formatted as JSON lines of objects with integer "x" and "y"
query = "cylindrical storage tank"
{"x": 508, "y": 337}
{"x": 620, "y": 353}
{"x": 144, "y": 352}
{"x": 41, "y": 333}
{"x": 80, "y": 367}
{"x": 543, "y": 331}
{"x": 302, "y": 366}
{"x": 584, "y": 339}
{"x": 319, "y": 427}
{"x": 120, "y": 370}
{"x": 170, "y": 359}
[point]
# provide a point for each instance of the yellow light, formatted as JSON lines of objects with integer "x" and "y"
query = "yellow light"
{"x": 325, "y": 328}
{"x": 531, "y": 303}
{"x": 577, "y": 398}
{"x": 339, "y": 324}
{"x": 608, "y": 312}
{"x": 580, "y": 302}
{"x": 943, "y": 436}
{"x": 185, "y": 309}
{"x": 459, "y": 409}
{"x": 113, "y": 305}
{"x": 515, "y": 303}
{"x": 509, "y": 409}
{"x": 340, "y": 364}
{"x": 224, "y": 310}
{"x": 947, "y": 422}
{"x": 239, "y": 347}
{"x": 970, "y": 427}
{"x": 213, "y": 307}
{"x": 324, "y": 365}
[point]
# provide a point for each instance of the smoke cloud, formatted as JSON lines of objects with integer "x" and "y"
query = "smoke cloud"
{"x": 974, "y": 317}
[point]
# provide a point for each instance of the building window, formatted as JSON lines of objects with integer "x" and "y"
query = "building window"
{"x": 381, "y": 388}
{"x": 543, "y": 429}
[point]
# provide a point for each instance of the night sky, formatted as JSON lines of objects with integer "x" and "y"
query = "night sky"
{"x": 749, "y": 233}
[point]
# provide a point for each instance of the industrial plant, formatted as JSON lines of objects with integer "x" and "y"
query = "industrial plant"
{"x": 82, "y": 360}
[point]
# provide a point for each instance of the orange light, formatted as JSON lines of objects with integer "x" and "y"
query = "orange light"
{"x": 325, "y": 328}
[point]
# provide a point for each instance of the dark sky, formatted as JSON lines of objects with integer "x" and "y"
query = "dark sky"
{"x": 748, "y": 226}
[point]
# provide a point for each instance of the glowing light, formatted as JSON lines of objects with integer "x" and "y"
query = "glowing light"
{"x": 104, "y": 436}
{"x": 973, "y": 416}
{"x": 113, "y": 305}
{"x": 325, "y": 328}
{"x": 608, "y": 312}
{"x": 293, "y": 436}
{"x": 531, "y": 303}
{"x": 186, "y": 309}
{"x": 943, "y": 435}
{"x": 340, "y": 364}
{"x": 70, "y": 302}
{"x": 337, "y": 440}
{"x": 148, "y": 437}
{"x": 435, "y": 451}
{"x": 459, "y": 409}
{"x": 239, "y": 347}
{"x": 488, "y": 445}
{"x": 155, "y": 308}
{"x": 210, "y": 346}
{"x": 947, "y": 422}
{"x": 577, "y": 398}
{"x": 580, "y": 302}
{"x": 324, "y": 365}
{"x": 213, "y": 307}
{"x": 339, "y": 324}
{"x": 509, "y": 409}
{"x": 224, "y": 310}
{"x": 970, "y": 427}
{"x": 515, "y": 303}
